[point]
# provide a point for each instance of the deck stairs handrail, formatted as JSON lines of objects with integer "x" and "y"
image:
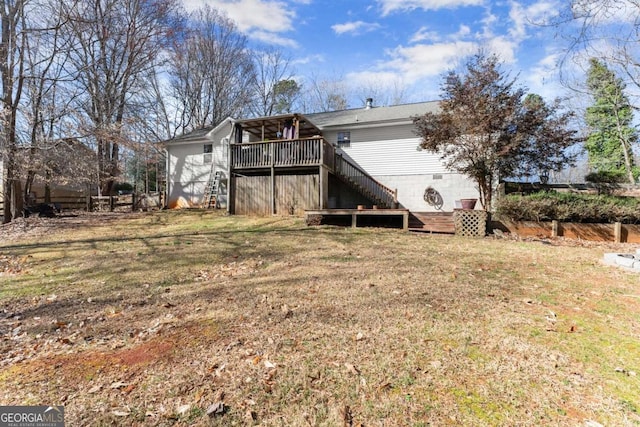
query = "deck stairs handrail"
{"x": 365, "y": 183}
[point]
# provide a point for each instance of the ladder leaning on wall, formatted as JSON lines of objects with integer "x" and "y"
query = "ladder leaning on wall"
{"x": 211, "y": 190}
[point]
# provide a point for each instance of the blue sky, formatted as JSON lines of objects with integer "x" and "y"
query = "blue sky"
{"x": 407, "y": 43}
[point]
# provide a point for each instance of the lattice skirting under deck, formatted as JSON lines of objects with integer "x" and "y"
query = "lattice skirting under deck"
{"x": 471, "y": 223}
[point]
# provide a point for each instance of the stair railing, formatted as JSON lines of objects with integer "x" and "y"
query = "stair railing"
{"x": 357, "y": 177}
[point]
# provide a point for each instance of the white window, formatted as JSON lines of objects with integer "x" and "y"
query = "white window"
{"x": 344, "y": 139}
{"x": 207, "y": 156}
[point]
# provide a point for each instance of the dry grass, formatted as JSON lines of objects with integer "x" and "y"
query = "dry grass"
{"x": 148, "y": 319}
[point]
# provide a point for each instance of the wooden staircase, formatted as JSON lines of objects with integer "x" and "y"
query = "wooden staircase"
{"x": 432, "y": 222}
{"x": 365, "y": 184}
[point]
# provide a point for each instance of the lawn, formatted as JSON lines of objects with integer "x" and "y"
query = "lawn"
{"x": 159, "y": 318}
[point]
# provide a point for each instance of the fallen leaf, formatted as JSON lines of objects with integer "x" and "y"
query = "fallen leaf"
{"x": 384, "y": 387}
{"x": 215, "y": 409}
{"x": 286, "y": 311}
{"x": 118, "y": 384}
{"x": 94, "y": 389}
{"x": 183, "y": 409}
{"x": 128, "y": 389}
{"x": 351, "y": 368}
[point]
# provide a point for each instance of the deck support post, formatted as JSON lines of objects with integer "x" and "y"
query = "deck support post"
{"x": 617, "y": 232}
{"x": 273, "y": 179}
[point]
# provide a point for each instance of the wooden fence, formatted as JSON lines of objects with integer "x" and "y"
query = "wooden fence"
{"x": 111, "y": 203}
{"x": 130, "y": 202}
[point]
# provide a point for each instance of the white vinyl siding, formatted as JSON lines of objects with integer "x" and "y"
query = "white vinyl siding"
{"x": 395, "y": 157}
{"x": 388, "y": 150}
{"x": 190, "y": 165}
{"x": 379, "y": 133}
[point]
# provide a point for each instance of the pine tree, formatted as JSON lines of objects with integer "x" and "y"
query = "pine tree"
{"x": 612, "y": 136}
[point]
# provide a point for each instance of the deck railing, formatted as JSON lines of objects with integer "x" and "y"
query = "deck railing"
{"x": 288, "y": 153}
{"x": 357, "y": 177}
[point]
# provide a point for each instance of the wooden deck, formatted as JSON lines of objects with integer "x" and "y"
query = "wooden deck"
{"x": 303, "y": 156}
{"x": 379, "y": 216}
{"x": 432, "y": 222}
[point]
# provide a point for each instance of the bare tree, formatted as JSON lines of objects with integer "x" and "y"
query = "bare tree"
{"x": 393, "y": 93}
{"x": 116, "y": 43}
{"x": 211, "y": 69}
{"x": 324, "y": 94}
{"x": 274, "y": 87}
{"x": 46, "y": 99}
{"x": 12, "y": 63}
{"x": 604, "y": 29}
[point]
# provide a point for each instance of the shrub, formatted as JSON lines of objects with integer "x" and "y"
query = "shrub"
{"x": 606, "y": 177}
{"x": 569, "y": 207}
{"x": 122, "y": 188}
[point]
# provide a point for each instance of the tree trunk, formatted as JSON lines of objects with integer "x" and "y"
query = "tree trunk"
{"x": 17, "y": 205}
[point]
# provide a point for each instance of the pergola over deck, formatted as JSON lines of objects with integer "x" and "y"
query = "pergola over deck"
{"x": 280, "y": 141}
{"x": 272, "y": 128}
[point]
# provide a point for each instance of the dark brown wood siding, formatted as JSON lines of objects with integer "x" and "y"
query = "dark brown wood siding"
{"x": 252, "y": 194}
{"x": 293, "y": 194}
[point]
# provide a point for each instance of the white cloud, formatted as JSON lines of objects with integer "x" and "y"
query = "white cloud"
{"x": 504, "y": 47}
{"x": 415, "y": 63}
{"x": 273, "y": 38}
{"x": 389, "y": 6}
{"x": 423, "y": 34}
{"x": 262, "y": 20}
{"x": 542, "y": 78}
{"x": 355, "y": 27}
{"x": 313, "y": 59}
{"x": 540, "y": 12}
{"x": 266, "y": 15}
{"x": 463, "y": 32}
{"x": 534, "y": 14}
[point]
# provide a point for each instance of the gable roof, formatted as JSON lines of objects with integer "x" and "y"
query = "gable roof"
{"x": 198, "y": 134}
{"x": 361, "y": 116}
{"x": 312, "y": 124}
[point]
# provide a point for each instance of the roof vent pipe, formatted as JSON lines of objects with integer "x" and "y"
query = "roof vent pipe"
{"x": 369, "y": 104}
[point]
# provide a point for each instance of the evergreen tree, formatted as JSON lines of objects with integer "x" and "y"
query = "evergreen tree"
{"x": 285, "y": 93}
{"x": 612, "y": 136}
